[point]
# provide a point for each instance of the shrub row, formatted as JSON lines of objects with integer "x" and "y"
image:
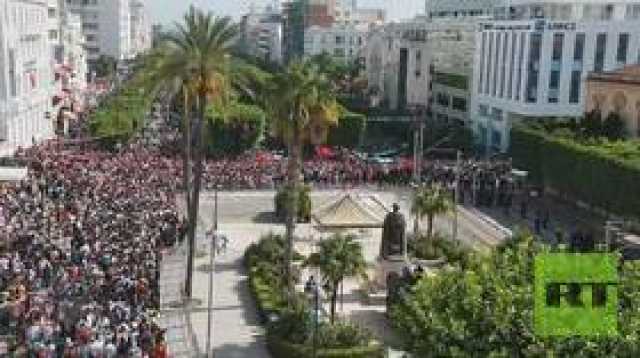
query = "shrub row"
{"x": 304, "y": 203}
{"x": 264, "y": 262}
{"x": 282, "y": 349}
{"x": 592, "y": 173}
{"x": 121, "y": 115}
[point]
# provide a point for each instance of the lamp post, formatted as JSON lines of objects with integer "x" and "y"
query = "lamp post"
{"x": 418, "y": 112}
{"x": 212, "y": 255}
{"x": 311, "y": 288}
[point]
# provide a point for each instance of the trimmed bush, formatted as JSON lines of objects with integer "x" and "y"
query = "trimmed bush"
{"x": 282, "y": 349}
{"x": 440, "y": 247}
{"x": 600, "y": 173}
{"x": 232, "y": 132}
{"x": 122, "y": 115}
{"x": 281, "y": 201}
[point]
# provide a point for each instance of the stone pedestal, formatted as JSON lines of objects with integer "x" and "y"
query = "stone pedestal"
{"x": 392, "y": 264}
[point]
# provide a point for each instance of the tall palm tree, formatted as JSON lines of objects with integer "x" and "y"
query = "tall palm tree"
{"x": 300, "y": 96}
{"x": 431, "y": 201}
{"x": 338, "y": 257}
{"x": 194, "y": 60}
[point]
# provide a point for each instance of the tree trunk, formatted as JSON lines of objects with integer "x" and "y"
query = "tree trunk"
{"x": 334, "y": 300}
{"x": 186, "y": 168}
{"x": 430, "y": 227}
{"x": 292, "y": 205}
{"x": 195, "y": 198}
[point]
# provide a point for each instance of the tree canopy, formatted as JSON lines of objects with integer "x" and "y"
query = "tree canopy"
{"x": 487, "y": 311}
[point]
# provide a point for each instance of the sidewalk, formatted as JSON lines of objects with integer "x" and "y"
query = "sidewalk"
{"x": 174, "y": 318}
{"x": 236, "y": 330}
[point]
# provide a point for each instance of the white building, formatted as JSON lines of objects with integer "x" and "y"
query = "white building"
{"x": 141, "y": 35}
{"x": 451, "y": 9}
{"x": 397, "y": 65}
{"x": 534, "y": 65}
{"x": 115, "y": 28}
{"x": 261, "y": 35}
{"x": 25, "y": 73}
{"x": 343, "y": 41}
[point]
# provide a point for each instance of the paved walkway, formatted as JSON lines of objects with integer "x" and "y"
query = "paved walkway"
{"x": 173, "y": 318}
{"x": 236, "y": 330}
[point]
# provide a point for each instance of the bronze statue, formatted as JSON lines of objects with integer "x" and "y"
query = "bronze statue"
{"x": 393, "y": 233}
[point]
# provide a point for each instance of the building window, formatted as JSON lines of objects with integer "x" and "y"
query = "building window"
{"x": 482, "y": 54}
{"x": 338, "y": 52}
{"x": 633, "y": 12}
{"x": 608, "y": 12}
{"x": 533, "y": 68}
{"x": 558, "y": 42}
{"x": 503, "y": 68}
{"x": 601, "y": 48}
{"x": 339, "y": 40}
{"x": 496, "y": 62}
{"x": 459, "y": 104}
{"x": 554, "y": 85}
{"x": 623, "y": 48}
{"x": 523, "y": 37}
{"x": 514, "y": 38}
{"x": 496, "y": 138}
{"x": 53, "y": 34}
{"x": 578, "y": 52}
{"x": 489, "y": 57}
{"x": 483, "y": 110}
{"x": 496, "y": 114}
{"x": 13, "y": 89}
{"x": 442, "y": 99}
{"x": 576, "y": 84}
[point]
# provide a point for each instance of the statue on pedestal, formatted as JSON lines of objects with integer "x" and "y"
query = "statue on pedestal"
{"x": 393, "y": 234}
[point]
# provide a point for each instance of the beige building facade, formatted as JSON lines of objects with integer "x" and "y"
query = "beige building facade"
{"x": 616, "y": 91}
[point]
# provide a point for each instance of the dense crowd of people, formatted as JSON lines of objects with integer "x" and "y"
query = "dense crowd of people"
{"x": 82, "y": 238}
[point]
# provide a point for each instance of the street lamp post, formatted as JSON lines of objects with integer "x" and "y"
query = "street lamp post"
{"x": 212, "y": 256}
{"x": 311, "y": 288}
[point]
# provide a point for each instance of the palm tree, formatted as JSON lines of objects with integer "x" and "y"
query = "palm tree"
{"x": 431, "y": 201}
{"x": 338, "y": 257}
{"x": 300, "y": 96}
{"x": 195, "y": 61}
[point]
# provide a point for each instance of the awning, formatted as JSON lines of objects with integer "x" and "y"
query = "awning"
{"x": 12, "y": 174}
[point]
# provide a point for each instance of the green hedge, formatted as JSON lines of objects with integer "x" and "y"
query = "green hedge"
{"x": 282, "y": 349}
{"x": 604, "y": 175}
{"x": 349, "y": 131}
{"x": 268, "y": 297}
{"x": 122, "y": 115}
{"x": 238, "y": 129}
{"x": 304, "y": 204}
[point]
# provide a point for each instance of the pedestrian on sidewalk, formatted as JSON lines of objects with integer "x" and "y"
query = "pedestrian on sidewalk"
{"x": 545, "y": 219}
{"x": 523, "y": 209}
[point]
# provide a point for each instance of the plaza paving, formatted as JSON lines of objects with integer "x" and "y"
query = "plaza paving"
{"x": 244, "y": 218}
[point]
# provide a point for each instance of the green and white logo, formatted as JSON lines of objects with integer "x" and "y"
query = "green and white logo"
{"x": 576, "y": 294}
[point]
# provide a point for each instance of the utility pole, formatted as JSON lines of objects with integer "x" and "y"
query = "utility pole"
{"x": 212, "y": 256}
